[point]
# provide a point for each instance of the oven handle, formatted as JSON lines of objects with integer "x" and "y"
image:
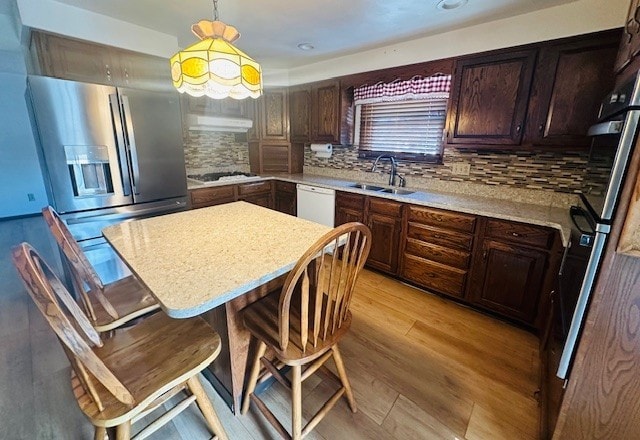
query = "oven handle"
{"x": 605, "y": 128}
{"x": 577, "y": 211}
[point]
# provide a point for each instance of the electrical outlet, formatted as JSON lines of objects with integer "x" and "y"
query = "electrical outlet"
{"x": 460, "y": 169}
{"x": 31, "y": 197}
{"x": 240, "y": 155}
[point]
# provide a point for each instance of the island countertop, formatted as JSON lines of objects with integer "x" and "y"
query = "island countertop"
{"x": 195, "y": 260}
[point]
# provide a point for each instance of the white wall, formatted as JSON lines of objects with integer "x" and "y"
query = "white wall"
{"x": 60, "y": 18}
{"x": 578, "y": 17}
{"x": 20, "y": 172}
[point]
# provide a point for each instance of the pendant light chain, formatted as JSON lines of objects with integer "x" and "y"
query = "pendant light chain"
{"x": 215, "y": 10}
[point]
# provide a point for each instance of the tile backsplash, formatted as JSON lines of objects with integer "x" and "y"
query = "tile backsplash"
{"x": 206, "y": 151}
{"x": 565, "y": 172}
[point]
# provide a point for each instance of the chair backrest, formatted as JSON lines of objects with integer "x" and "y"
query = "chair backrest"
{"x": 323, "y": 280}
{"x": 86, "y": 280}
{"x": 72, "y": 327}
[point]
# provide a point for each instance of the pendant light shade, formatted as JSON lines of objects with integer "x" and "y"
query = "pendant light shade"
{"x": 214, "y": 67}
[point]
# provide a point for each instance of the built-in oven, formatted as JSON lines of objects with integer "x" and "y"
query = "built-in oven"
{"x": 613, "y": 140}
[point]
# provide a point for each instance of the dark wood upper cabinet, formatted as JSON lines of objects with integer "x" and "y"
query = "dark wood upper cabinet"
{"x": 300, "y": 113}
{"x": 489, "y": 98}
{"x": 569, "y": 83}
{"x": 325, "y": 111}
{"x": 86, "y": 61}
{"x": 274, "y": 115}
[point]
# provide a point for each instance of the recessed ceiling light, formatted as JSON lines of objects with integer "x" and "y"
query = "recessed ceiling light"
{"x": 448, "y": 5}
{"x": 305, "y": 46}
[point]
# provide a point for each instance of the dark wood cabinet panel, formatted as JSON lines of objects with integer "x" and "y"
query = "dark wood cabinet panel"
{"x": 439, "y": 254}
{"x": 300, "y": 113}
{"x": 325, "y": 112}
{"x": 489, "y": 98}
{"x": 440, "y": 218}
{"x": 434, "y": 276}
{"x": 213, "y": 195}
{"x": 511, "y": 280}
{"x": 570, "y": 81}
{"x": 440, "y": 237}
{"x": 74, "y": 59}
{"x": 349, "y": 208}
{"x": 274, "y": 112}
{"x": 276, "y": 157}
{"x": 264, "y": 200}
{"x": 285, "y": 197}
{"x": 386, "y": 225}
{"x": 247, "y": 189}
{"x": 85, "y": 61}
{"x": 520, "y": 233}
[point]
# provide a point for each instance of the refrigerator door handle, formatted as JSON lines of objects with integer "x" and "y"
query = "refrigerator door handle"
{"x": 131, "y": 143}
{"x": 178, "y": 206}
{"x": 120, "y": 144}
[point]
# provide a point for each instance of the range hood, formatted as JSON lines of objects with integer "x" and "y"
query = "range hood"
{"x": 219, "y": 123}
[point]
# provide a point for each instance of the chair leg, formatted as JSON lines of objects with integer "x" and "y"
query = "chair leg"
{"x": 343, "y": 377}
{"x": 296, "y": 402}
{"x": 100, "y": 433}
{"x": 206, "y": 407}
{"x": 253, "y": 377}
{"x": 123, "y": 432}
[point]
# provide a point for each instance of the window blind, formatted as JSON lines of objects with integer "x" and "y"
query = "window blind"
{"x": 404, "y": 118}
{"x": 411, "y": 129}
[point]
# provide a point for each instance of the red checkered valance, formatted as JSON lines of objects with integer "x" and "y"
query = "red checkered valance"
{"x": 432, "y": 87}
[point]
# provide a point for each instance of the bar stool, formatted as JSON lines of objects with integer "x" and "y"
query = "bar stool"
{"x": 124, "y": 378}
{"x": 109, "y": 306}
{"x": 304, "y": 322}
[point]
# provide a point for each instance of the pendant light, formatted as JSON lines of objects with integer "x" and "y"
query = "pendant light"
{"x": 213, "y": 66}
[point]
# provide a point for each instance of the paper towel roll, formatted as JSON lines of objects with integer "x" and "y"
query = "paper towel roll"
{"x": 322, "y": 150}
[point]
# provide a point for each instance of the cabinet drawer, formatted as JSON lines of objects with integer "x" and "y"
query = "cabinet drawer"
{"x": 450, "y": 257}
{"x": 434, "y": 276}
{"x": 285, "y": 186}
{"x": 212, "y": 196}
{"x": 442, "y": 219}
{"x": 385, "y": 207}
{"x": 254, "y": 188}
{"x": 440, "y": 236}
{"x": 519, "y": 233}
{"x": 348, "y": 200}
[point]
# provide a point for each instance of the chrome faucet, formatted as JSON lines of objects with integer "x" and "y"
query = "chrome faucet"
{"x": 394, "y": 168}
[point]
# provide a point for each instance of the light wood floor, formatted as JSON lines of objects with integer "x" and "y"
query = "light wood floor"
{"x": 421, "y": 368}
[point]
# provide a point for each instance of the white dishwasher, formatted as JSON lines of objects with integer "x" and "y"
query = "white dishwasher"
{"x": 316, "y": 204}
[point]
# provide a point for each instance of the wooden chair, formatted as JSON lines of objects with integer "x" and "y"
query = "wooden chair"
{"x": 303, "y": 323}
{"x": 124, "y": 378}
{"x": 108, "y": 306}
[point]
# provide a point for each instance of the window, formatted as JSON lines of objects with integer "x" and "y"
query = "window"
{"x": 403, "y": 118}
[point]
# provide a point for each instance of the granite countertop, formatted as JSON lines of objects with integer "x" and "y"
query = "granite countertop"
{"x": 193, "y": 261}
{"x": 541, "y": 215}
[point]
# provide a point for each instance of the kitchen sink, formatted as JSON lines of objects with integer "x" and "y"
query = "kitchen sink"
{"x": 400, "y": 192}
{"x": 366, "y": 186}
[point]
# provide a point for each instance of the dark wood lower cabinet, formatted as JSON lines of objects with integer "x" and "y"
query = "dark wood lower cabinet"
{"x": 510, "y": 280}
{"x": 385, "y": 240}
{"x": 434, "y": 276}
{"x": 349, "y": 208}
{"x": 285, "y": 198}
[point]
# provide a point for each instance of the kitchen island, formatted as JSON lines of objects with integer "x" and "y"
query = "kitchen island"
{"x": 215, "y": 261}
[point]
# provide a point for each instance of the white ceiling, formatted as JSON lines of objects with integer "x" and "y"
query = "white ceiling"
{"x": 272, "y": 29}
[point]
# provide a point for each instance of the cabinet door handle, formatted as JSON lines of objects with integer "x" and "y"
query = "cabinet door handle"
{"x": 515, "y": 234}
{"x": 484, "y": 255}
{"x": 541, "y": 128}
{"x": 436, "y": 236}
{"x": 518, "y": 128}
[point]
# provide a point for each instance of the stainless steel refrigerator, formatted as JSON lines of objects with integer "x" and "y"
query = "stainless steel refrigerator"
{"x": 109, "y": 154}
